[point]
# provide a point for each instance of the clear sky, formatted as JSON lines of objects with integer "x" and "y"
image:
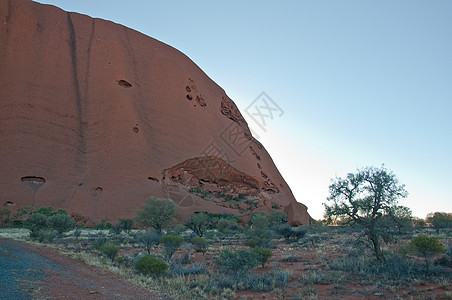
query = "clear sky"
{"x": 361, "y": 83}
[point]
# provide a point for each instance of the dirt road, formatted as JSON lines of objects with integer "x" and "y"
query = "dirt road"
{"x": 30, "y": 272}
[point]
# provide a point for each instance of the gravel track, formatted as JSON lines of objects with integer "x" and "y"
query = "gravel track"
{"x": 34, "y": 272}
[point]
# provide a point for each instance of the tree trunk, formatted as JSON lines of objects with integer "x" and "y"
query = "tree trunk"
{"x": 375, "y": 239}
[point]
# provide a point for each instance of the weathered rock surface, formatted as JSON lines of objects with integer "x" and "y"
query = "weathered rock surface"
{"x": 96, "y": 117}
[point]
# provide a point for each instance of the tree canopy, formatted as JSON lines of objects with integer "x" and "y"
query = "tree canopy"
{"x": 369, "y": 198}
{"x": 157, "y": 213}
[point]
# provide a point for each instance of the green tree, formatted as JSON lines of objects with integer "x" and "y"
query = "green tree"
{"x": 171, "y": 243}
{"x": 440, "y": 220}
{"x": 126, "y": 225}
{"x": 427, "y": 247}
{"x": 157, "y": 213}
{"x": 417, "y": 222}
{"x": 61, "y": 222}
{"x": 263, "y": 255}
{"x": 197, "y": 222}
{"x": 368, "y": 199}
{"x": 148, "y": 239}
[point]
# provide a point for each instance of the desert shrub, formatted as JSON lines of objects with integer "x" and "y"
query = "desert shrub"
{"x": 171, "y": 243}
{"x": 104, "y": 224}
{"x": 157, "y": 213}
{"x": 236, "y": 263}
{"x": 36, "y": 222}
{"x": 426, "y": 246}
{"x": 122, "y": 225}
{"x": 150, "y": 265}
{"x": 227, "y": 226}
{"x": 321, "y": 277}
{"x": 4, "y": 217}
{"x": 109, "y": 249}
{"x": 440, "y": 220}
{"x": 178, "y": 270}
{"x": 258, "y": 241}
{"x": 116, "y": 229}
{"x": 395, "y": 269}
{"x": 277, "y": 217}
{"x": 445, "y": 260}
{"x": 263, "y": 254}
{"x": 126, "y": 224}
{"x": 100, "y": 239}
{"x": 185, "y": 259}
{"x": 43, "y": 235}
{"x": 254, "y": 281}
{"x": 289, "y": 233}
{"x": 148, "y": 239}
{"x": 313, "y": 239}
{"x": 260, "y": 221}
{"x": 213, "y": 219}
{"x": 197, "y": 222}
{"x": 45, "y": 210}
{"x": 119, "y": 260}
{"x": 291, "y": 258}
{"x": 200, "y": 244}
{"x": 61, "y": 222}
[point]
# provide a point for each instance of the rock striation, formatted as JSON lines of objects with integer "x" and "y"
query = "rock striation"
{"x": 96, "y": 117}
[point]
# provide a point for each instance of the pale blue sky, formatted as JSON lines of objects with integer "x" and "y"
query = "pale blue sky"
{"x": 360, "y": 82}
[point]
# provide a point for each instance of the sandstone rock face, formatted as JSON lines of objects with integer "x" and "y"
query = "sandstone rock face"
{"x": 96, "y": 117}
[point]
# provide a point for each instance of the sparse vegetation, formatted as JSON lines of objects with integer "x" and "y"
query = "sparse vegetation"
{"x": 304, "y": 262}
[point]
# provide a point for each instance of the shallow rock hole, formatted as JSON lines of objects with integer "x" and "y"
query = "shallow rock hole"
{"x": 124, "y": 84}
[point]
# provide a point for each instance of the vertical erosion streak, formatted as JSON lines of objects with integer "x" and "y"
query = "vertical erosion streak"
{"x": 76, "y": 84}
{"x": 88, "y": 60}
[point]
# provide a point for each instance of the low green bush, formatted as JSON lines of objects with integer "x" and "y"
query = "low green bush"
{"x": 150, "y": 265}
{"x": 171, "y": 243}
{"x": 236, "y": 263}
{"x": 257, "y": 241}
{"x": 263, "y": 254}
{"x": 289, "y": 233}
{"x": 200, "y": 244}
{"x": 43, "y": 235}
{"x": 109, "y": 249}
{"x": 427, "y": 247}
{"x": 36, "y": 222}
{"x": 61, "y": 223}
{"x": 227, "y": 226}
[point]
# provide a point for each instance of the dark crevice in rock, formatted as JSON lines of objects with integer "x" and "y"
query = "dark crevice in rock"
{"x": 124, "y": 84}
